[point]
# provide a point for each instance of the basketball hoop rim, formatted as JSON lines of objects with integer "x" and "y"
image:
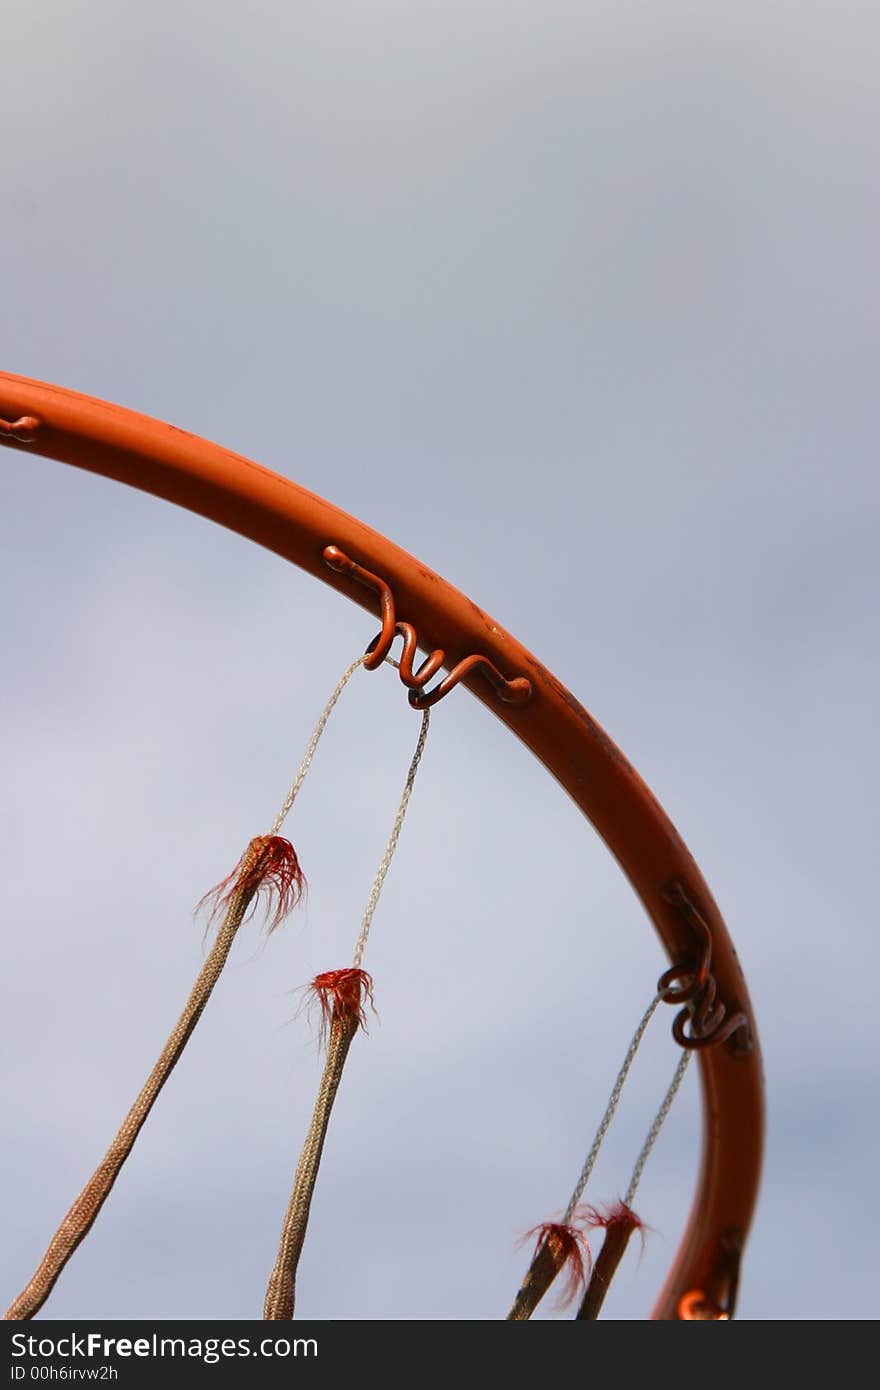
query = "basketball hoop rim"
{"x": 298, "y": 525}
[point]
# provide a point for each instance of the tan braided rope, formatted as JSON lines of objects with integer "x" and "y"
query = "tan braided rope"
{"x": 281, "y": 1291}
{"x": 548, "y": 1260}
{"x": 614, "y": 1245}
{"x": 610, "y": 1108}
{"x": 656, "y": 1126}
{"x": 618, "y": 1232}
{"x": 81, "y": 1215}
{"x": 544, "y": 1267}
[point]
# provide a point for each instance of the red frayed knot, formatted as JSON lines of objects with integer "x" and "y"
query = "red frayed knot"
{"x": 613, "y": 1216}
{"x": 343, "y": 995}
{"x": 618, "y": 1222}
{"x": 569, "y": 1250}
{"x": 269, "y": 865}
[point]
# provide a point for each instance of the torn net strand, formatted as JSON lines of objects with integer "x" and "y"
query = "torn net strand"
{"x": 385, "y": 862}
{"x": 313, "y": 743}
{"x": 234, "y": 897}
{"x": 656, "y": 1126}
{"x": 609, "y": 1110}
{"x": 347, "y": 1015}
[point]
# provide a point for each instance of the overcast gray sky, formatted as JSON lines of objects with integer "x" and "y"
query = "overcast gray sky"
{"x": 578, "y": 302}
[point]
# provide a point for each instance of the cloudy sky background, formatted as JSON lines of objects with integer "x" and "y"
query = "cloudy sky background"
{"x": 579, "y": 303}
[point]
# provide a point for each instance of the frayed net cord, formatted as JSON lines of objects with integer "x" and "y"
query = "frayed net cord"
{"x": 269, "y": 866}
{"x": 610, "y": 1108}
{"x": 343, "y": 996}
{"x": 257, "y": 864}
{"x": 561, "y": 1244}
{"x": 313, "y": 743}
{"x": 618, "y": 1220}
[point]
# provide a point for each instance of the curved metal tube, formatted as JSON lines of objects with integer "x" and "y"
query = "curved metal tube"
{"x": 276, "y": 513}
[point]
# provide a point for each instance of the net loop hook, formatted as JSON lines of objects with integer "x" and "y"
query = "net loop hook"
{"x": 704, "y": 1020}
{"x": 517, "y": 691}
{"x": 716, "y": 1302}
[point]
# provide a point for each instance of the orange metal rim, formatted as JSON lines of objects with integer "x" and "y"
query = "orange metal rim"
{"x": 299, "y": 526}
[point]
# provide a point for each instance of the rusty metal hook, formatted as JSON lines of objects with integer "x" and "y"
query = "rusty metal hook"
{"x": 716, "y": 1302}
{"x": 702, "y": 1022}
{"x": 513, "y": 692}
{"x": 696, "y": 1306}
